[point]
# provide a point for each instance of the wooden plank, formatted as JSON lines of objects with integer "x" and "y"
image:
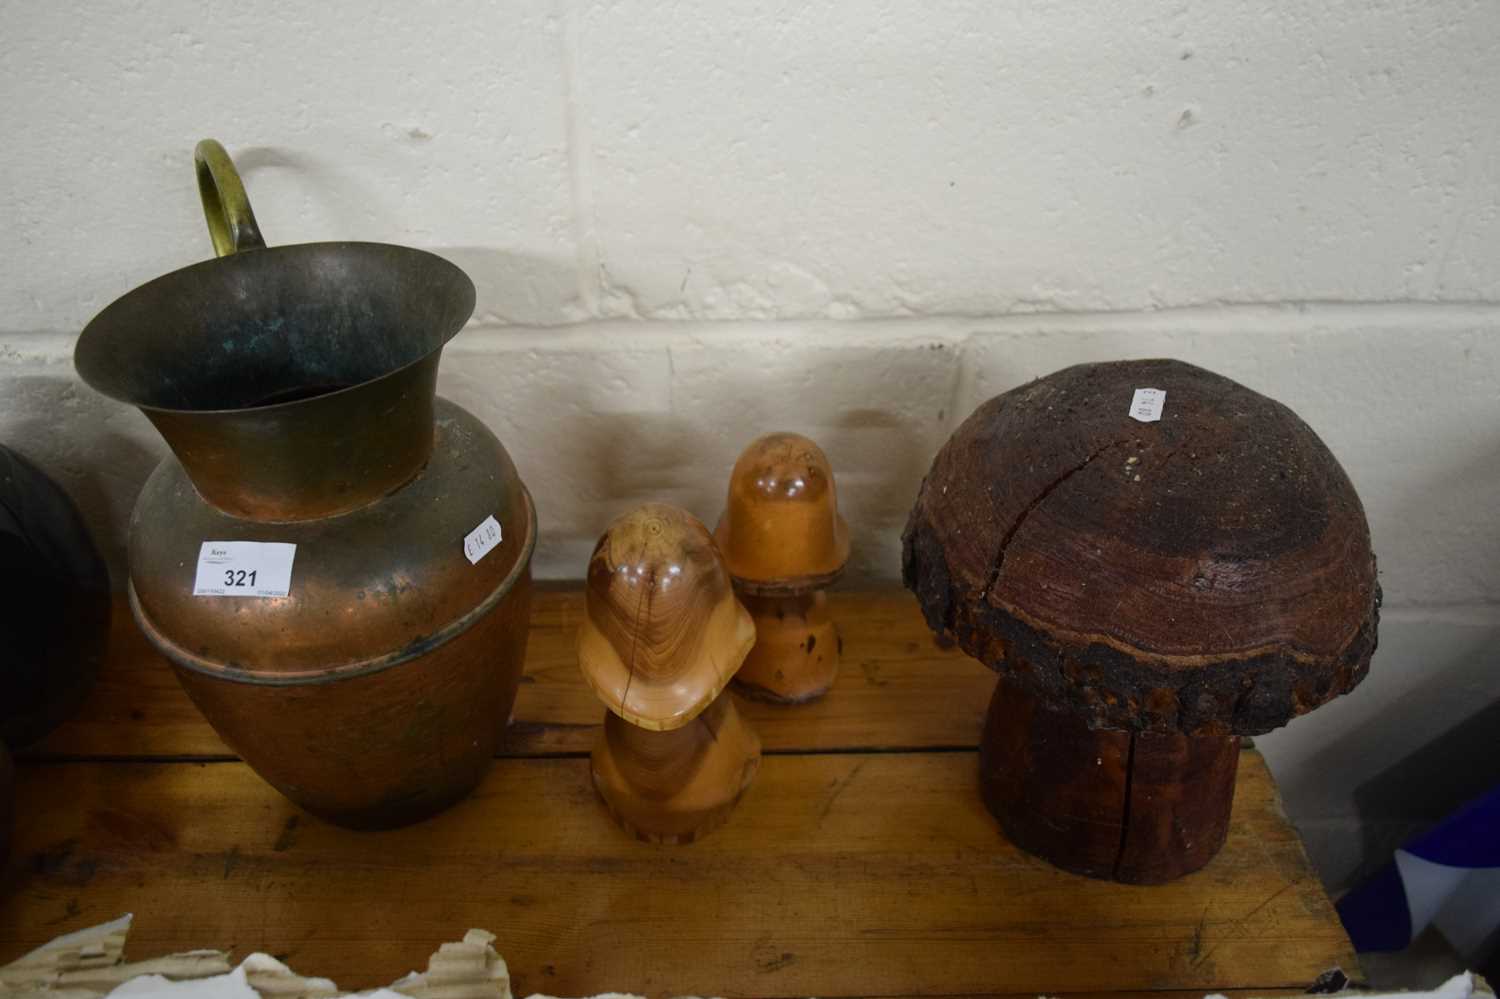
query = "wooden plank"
{"x": 896, "y": 690}
{"x": 840, "y": 874}
{"x": 136, "y": 707}
{"x": 1137, "y": 994}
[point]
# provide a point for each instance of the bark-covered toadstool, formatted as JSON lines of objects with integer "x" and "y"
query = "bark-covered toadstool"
{"x": 1150, "y": 586}
{"x": 662, "y": 636}
{"x": 785, "y": 542}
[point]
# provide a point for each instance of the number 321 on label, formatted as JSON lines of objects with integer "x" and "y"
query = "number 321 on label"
{"x": 244, "y": 569}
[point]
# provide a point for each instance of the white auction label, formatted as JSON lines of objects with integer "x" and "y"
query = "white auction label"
{"x": 244, "y": 569}
{"x": 1147, "y": 404}
{"x": 482, "y": 540}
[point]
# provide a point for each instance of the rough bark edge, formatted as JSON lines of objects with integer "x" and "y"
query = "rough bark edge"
{"x": 1113, "y": 690}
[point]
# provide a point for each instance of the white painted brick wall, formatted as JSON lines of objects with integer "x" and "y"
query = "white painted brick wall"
{"x": 690, "y": 223}
{"x": 773, "y": 160}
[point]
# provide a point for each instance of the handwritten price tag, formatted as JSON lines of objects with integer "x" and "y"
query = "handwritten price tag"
{"x": 244, "y": 569}
{"x": 1147, "y": 404}
{"x": 482, "y": 540}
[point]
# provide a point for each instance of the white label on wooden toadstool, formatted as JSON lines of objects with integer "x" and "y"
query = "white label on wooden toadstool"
{"x": 482, "y": 540}
{"x": 1147, "y": 404}
{"x": 244, "y": 569}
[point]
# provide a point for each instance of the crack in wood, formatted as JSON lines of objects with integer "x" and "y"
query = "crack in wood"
{"x": 1125, "y": 811}
{"x": 999, "y": 560}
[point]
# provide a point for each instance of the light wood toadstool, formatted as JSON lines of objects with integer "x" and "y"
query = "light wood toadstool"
{"x": 662, "y": 635}
{"x": 785, "y": 542}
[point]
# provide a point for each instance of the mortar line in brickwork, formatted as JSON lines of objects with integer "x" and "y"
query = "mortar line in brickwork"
{"x": 34, "y": 345}
{"x": 1430, "y": 318}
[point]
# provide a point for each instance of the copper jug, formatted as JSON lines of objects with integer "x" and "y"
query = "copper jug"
{"x": 296, "y": 388}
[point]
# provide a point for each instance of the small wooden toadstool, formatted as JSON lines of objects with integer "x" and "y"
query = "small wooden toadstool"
{"x": 1148, "y": 592}
{"x": 662, "y": 635}
{"x": 785, "y": 542}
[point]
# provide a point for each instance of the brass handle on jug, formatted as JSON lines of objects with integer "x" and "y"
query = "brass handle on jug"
{"x": 231, "y": 222}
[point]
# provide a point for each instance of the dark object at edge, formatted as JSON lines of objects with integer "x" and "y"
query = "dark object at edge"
{"x": 55, "y": 621}
{"x": 7, "y": 802}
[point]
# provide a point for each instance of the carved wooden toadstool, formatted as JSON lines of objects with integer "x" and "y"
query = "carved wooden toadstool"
{"x": 785, "y": 542}
{"x": 1148, "y": 592}
{"x": 662, "y": 635}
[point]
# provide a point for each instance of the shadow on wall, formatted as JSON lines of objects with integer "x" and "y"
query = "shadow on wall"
{"x": 250, "y": 161}
{"x": 649, "y": 455}
{"x": 1455, "y": 765}
{"x": 1365, "y": 772}
{"x": 878, "y": 457}
{"x": 595, "y": 431}
{"x": 510, "y": 288}
{"x": 1449, "y": 498}
{"x": 331, "y": 189}
{"x": 517, "y": 289}
{"x": 99, "y": 451}
{"x": 1445, "y": 679}
{"x": 1429, "y": 784}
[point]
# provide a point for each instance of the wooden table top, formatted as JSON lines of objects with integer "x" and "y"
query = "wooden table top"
{"x": 861, "y": 862}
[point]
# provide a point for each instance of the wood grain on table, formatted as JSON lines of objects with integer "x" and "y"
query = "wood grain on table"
{"x": 860, "y": 863}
